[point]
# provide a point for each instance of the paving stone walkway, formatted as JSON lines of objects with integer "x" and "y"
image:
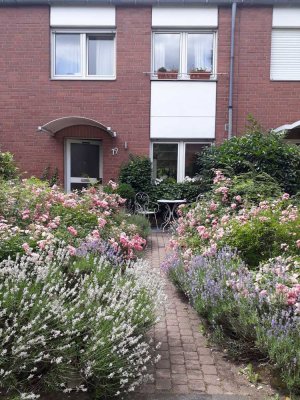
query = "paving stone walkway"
{"x": 189, "y": 369}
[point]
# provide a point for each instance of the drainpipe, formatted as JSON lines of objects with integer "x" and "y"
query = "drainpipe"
{"x": 231, "y": 75}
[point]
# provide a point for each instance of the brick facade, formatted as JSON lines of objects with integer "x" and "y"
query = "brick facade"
{"x": 29, "y": 97}
{"x": 272, "y": 103}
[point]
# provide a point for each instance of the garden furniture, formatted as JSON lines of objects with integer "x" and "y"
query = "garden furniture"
{"x": 171, "y": 207}
{"x": 145, "y": 207}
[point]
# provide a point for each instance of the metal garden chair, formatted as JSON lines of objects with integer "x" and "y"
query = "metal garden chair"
{"x": 144, "y": 206}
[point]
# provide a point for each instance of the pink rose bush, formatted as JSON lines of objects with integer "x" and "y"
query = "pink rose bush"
{"x": 33, "y": 215}
{"x": 221, "y": 220}
{"x": 239, "y": 264}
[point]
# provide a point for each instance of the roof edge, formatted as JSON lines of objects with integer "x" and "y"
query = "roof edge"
{"x": 147, "y": 2}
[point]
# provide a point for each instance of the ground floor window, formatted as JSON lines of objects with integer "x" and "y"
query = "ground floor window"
{"x": 175, "y": 159}
{"x": 83, "y": 163}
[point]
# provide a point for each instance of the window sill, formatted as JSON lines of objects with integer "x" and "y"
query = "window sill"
{"x": 155, "y": 79}
{"x": 80, "y": 78}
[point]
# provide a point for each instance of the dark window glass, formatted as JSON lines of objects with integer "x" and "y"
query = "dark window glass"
{"x": 84, "y": 160}
{"x": 165, "y": 160}
{"x": 191, "y": 150}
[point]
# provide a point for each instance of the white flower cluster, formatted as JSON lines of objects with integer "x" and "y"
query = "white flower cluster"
{"x": 66, "y": 323}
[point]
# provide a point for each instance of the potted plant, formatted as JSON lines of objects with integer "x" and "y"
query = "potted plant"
{"x": 163, "y": 73}
{"x": 200, "y": 73}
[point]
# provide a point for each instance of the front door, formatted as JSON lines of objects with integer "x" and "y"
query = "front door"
{"x": 83, "y": 163}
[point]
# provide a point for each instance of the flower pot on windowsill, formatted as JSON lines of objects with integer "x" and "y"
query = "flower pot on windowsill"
{"x": 200, "y": 75}
{"x": 167, "y": 75}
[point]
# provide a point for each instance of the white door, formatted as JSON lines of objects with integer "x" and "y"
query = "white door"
{"x": 83, "y": 163}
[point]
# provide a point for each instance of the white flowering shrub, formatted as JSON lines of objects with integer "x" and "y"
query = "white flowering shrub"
{"x": 71, "y": 323}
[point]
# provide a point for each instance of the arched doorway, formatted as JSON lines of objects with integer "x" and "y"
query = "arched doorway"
{"x": 83, "y": 156}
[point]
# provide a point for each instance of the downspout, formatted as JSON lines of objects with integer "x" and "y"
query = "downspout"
{"x": 231, "y": 72}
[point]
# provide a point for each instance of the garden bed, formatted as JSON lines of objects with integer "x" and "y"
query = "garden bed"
{"x": 75, "y": 302}
{"x": 238, "y": 263}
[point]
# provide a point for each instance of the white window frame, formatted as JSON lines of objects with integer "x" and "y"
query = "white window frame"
{"x": 84, "y": 54}
{"x": 180, "y": 155}
{"x": 67, "y": 163}
{"x": 183, "y": 47}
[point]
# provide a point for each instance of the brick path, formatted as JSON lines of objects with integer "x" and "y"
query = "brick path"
{"x": 188, "y": 366}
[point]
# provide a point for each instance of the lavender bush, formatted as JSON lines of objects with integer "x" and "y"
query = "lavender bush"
{"x": 257, "y": 313}
{"x": 75, "y": 323}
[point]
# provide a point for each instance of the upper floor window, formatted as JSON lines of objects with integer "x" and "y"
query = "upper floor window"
{"x": 77, "y": 55}
{"x": 183, "y": 55}
{"x": 285, "y": 54}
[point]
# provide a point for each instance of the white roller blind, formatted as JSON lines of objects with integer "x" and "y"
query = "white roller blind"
{"x": 285, "y": 54}
{"x": 82, "y": 16}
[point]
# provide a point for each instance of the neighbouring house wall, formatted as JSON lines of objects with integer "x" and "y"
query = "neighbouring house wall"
{"x": 272, "y": 103}
{"x": 29, "y": 98}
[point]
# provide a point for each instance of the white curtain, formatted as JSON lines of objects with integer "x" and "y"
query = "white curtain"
{"x": 199, "y": 54}
{"x": 160, "y": 55}
{"x": 103, "y": 57}
{"x": 67, "y": 54}
{"x": 200, "y": 49}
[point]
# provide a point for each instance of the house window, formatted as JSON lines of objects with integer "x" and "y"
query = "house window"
{"x": 175, "y": 159}
{"x": 184, "y": 53}
{"x": 78, "y": 55}
{"x": 285, "y": 55}
{"x": 165, "y": 160}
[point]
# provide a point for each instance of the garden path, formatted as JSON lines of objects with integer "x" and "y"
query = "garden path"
{"x": 189, "y": 369}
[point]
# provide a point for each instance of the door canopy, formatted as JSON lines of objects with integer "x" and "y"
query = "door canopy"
{"x": 57, "y": 125}
{"x": 288, "y": 127}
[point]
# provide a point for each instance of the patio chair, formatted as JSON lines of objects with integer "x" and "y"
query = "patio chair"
{"x": 200, "y": 197}
{"x": 144, "y": 206}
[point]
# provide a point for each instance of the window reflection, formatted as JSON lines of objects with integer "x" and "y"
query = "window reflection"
{"x": 67, "y": 54}
{"x": 166, "y": 51}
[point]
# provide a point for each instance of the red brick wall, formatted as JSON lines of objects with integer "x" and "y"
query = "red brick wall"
{"x": 29, "y": 98}
{"x": 271, "y": 103}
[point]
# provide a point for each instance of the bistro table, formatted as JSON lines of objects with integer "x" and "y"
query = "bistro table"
{"x": 171, "y": 207}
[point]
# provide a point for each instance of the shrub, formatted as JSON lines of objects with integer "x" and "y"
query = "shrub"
{"x": 126, "y": 191}
{"x": 257, "y": 151}
{"x": 137, "y": 173}
{"x": 50, "y": 176}
{"x": 8, "y": 169}
{"x": 33, "y": 215}
{"x": 141, "y": 224}
{"x": 268, "y": 234}
{"x": 78, "y": 323}
{"x": 254, "y": 187}
{"x": 258, "y": 232}
{"x": 170, "y": 189}
{"x": 256, "y": 314}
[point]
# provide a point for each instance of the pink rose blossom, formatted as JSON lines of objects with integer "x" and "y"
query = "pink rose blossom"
{"x": 26, "y": 248}
{"x": 102, "y": 222}
{"x": 71, "y": 250}
{"x": 72, "y": 230}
